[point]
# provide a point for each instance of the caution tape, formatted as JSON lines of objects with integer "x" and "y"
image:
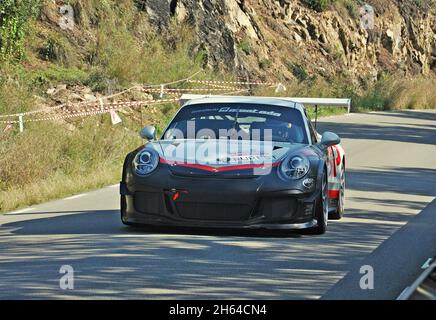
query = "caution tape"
{"x": 219, "y": 86}
{"x": 233, "y": 82}
{"x": 171, "y": 90}
{"x": 64, "y": 105}
{"x": 87, "y": 107}
{"x": 95, "y": 110}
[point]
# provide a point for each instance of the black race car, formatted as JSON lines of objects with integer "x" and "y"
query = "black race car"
{"x": 239, "y": 162}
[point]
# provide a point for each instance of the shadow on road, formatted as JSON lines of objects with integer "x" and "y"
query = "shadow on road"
{"x": 111, "y": 260}
{"x": 412, "y": 181}
{"x": 108, "y": 222}
{"x": 412, "y": 115}
{"x": 421, "y": 134}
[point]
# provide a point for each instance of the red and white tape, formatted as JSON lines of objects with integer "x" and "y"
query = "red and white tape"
{"x": 51, "y": 109}
{"x": 260, "y": 83}
{"x": 95, "y": 110}
{"x": 175, "y": 90}
{"x": 88, "y": 107}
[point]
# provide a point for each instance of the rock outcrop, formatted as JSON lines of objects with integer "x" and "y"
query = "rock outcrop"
{"x": 286, "y": 37}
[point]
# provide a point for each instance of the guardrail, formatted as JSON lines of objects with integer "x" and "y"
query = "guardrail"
{"x": 315, "y": 102}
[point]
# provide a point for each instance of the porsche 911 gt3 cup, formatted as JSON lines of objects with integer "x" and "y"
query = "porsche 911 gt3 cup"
{"x": 236, "y": 162}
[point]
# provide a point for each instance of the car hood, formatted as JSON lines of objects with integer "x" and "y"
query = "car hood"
{"x": 224, "y": 157}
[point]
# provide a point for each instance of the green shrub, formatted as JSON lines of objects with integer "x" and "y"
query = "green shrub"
{"x": 14, "y": 15}
{"x": 245, "y": 46}
{"x": 318, "y": 5}
{"x": 299, "y": 72}
{"x": 265, "y": 64}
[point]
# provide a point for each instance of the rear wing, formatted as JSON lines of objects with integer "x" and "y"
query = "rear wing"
{"x": 313, "y": 102}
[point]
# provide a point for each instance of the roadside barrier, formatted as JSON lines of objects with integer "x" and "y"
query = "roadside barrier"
{"x": 102, "y": 105}
{"x": 97, "y": 109}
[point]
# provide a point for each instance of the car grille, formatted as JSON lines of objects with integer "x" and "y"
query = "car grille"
{"x": 277, "y": 208}
{"x": 213, "y": 211}
{"x": 149, "y": 202}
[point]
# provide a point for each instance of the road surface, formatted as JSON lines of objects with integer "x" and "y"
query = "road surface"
{"x": 389, "y": 225}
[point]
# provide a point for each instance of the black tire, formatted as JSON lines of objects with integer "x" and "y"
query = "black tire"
{"x": 321, "y": 209}
{"x": 339, "y": 212}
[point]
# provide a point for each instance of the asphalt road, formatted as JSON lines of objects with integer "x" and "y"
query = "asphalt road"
{"x": 389, "y": 225}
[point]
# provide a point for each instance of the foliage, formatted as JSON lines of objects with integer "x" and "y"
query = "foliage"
{"x": 318, "y": 5}
{"x": 265, "y": 64}
{"x": 299, "y": 72}
{"x": 14, "y": 15}
{"x": 245, "y": 46}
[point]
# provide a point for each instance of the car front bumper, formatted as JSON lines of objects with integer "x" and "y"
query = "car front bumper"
{"x": 164, "y": 199}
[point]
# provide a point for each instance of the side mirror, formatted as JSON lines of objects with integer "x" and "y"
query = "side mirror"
{"x": 329, "y": 139}
{"x": 148, "y": 133}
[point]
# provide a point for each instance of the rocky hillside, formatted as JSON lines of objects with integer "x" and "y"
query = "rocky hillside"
{"x": 293, "y": 39}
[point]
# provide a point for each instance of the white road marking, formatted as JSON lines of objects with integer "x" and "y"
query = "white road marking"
{"x": 373, "y": 221}
{"x": 427, "y": 263}
{"x": 19, "y": 211}
{"x": 75, "y": 197}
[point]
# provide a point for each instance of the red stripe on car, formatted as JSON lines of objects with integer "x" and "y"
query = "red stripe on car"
{"x": 219, "y": 169}
{"x": 338, "y": 157}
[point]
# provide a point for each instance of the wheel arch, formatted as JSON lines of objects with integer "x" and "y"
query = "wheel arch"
{"x": 322, "y": 166}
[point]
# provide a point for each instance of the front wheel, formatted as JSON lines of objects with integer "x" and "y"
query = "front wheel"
{"x": 322, "y": 208}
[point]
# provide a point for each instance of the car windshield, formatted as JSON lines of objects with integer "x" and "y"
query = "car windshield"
{"x": 241, "y": 121}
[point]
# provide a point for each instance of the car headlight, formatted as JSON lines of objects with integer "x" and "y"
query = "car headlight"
{"x": 294, "y": 167}
{"x": 145, "y": 162}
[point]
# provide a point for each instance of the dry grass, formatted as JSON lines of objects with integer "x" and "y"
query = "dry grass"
{"x": 419, "y": 93}
{"x": 393, "y": 93}
{"x": 57, "y": 185}
{"x": 47, "y": 161}
{"x": 390, "y": 92}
